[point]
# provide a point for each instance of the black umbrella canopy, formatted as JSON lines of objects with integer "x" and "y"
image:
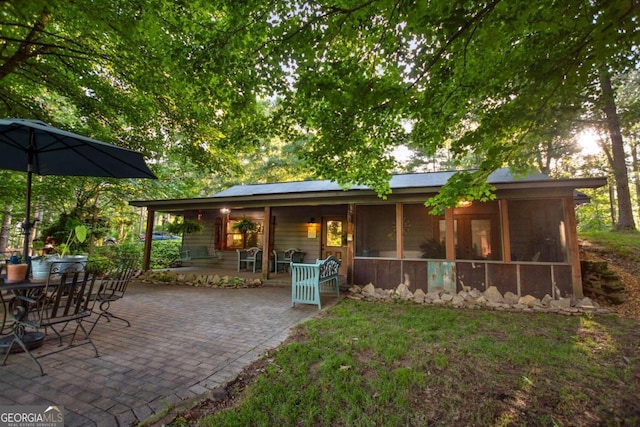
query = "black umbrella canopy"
{"x": 53, "y": 151}
{"x": 35, "y": 147}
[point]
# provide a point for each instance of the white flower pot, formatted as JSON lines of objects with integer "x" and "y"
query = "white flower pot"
{"x": 40, "y": 267}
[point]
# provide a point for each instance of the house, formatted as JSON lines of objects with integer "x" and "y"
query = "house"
{"x": 524, "y": 242}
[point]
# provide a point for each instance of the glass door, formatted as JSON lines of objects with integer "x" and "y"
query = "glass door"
{"x": 334, "y": 240}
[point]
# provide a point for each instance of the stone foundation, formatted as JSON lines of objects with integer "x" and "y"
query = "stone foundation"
{"x": 473, "y": 298}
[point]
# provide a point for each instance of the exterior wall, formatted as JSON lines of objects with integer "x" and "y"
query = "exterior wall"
{"x": 207, "y": 238}
{"x": 528, "y": 256}
{"x": 289, "y": 228}
{"x": 525, "y": 269}
{"x": 520, "y": 279}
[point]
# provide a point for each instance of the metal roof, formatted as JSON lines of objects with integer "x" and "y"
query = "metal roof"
{"x": 411, "y": 180}
{"x": 405, "y": 186}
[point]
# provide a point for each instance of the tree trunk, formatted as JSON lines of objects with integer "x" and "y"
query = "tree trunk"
{"x": 612, "y": 205}
{"x": 6, "y": 228}
{"x": 619, "y": 166}
{"x": 636, "y": 170}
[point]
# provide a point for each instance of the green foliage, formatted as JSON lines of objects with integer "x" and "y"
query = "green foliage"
{"x": 245, "y": 225}
{"x": 595, "y": 215}
{"x": 184, "y": 225}
{"x": 220, "y": 88}
{"x": 164, "y": 253}
{"x": 623, "y": 244}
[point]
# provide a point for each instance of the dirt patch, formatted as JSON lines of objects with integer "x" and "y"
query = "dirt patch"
{"x": 627, "y": 270}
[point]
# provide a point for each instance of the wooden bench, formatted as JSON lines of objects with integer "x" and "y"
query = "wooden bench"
{"x": 190, "y": 253}
{"x": 309, "y": 280}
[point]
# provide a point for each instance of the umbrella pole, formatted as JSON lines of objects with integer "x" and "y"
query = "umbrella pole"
{"x": 26, "y": 226}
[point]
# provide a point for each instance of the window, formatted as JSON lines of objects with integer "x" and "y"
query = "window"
{"x": 476, "y": 231}
{"x": 334, "y": 233}
{"x": 234, "y": 239}
{"x": 421, "y": 234}
{"x": 537, "y": 230}
{"x": 376, "y": 231}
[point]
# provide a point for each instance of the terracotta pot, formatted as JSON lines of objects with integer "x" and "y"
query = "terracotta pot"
{"x": 16, "y": 273}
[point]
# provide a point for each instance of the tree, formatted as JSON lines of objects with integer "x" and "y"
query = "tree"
{"x": 482, "y": 78}
{"x": 351, "y": 80}
{"x": 136, "y": 74}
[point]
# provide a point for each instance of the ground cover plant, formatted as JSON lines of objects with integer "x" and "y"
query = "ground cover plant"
{"x": 624, "y": 246}
{"x": 363, "y": 364}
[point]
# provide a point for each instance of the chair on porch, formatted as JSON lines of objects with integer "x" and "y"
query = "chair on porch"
{"x": 285, "y": 258}
{"x": 249, "y": 256}
{"x": 113, "y": 287}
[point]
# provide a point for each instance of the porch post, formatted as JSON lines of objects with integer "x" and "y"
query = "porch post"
{"x": 351, "y": 209}
{"x": 399, "y": 233}
{"x": 450, "y": 234}
{"x": 266, "y": 242}
{"x": 148, "y": 238}
{"x": 504, "y": 225}
{"x": 573, "y": 251}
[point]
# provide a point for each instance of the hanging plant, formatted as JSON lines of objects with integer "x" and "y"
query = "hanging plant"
{"x": 244, "y": 225}
{"x": 186, "y": 226}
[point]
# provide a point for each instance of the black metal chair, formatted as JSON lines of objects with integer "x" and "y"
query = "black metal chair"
{"x": 64, "y": 298}
{"x": 113, "y": 287}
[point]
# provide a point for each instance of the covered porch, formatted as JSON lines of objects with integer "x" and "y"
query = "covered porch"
{"x": 523, "y": 241}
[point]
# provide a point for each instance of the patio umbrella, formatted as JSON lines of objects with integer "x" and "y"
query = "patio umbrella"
{"x": 35, "y": 147}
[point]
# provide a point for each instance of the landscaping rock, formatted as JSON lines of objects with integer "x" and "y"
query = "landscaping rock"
{"x": 199, "y": 280}
{"x": 511, "y": 298}
{"x": 492, "y": 294}
{"x": 369, "y": 289}
{"x": 527, "y": 300}
{"x": 403, "y": 292}
{"x": 419, "y": 296}
{"x": 600, "y": 282}
{"x": 560, "y": 303}
{"x": 476, "y": 299}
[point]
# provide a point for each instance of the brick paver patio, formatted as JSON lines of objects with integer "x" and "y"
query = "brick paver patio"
{"x": 183, "y": 341}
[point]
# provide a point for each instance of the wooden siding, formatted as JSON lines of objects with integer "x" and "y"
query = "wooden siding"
{"x": 385, "y": 274}
{"x": 504, "y": 277}
{"x": 520, "y": 279}
{"x": 416, "y": 272}
{"x": 535, "y": 280}
{"x": 473, "y": 274}
{"x": 290, "y": 231}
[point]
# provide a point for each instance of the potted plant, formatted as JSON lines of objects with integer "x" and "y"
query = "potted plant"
{"x": 16, "y": 269}
{"x": 40, "y": 264}
{"x": 186, "y": 226}
{"x": 244, "y": 225}
{"x": 77, "y": 235}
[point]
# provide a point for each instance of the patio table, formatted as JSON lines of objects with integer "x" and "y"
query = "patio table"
{"x": 8, "y": 292}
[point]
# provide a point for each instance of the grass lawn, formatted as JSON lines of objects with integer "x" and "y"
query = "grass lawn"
{"x": 624, "y": 245}
{"x": 366, "y": 364}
